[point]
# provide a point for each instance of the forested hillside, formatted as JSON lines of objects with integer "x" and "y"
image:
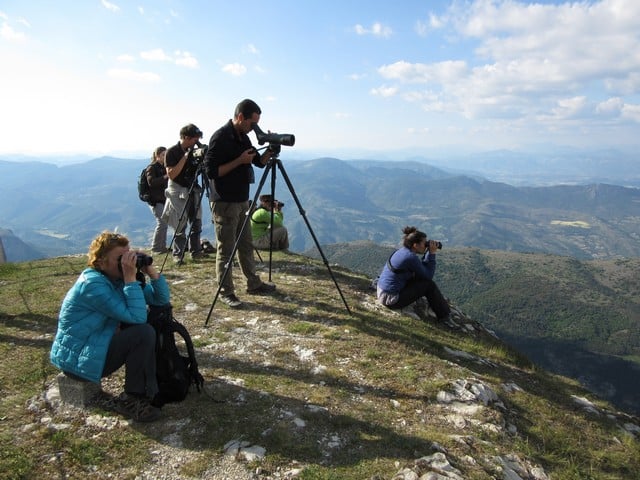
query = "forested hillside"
{"x": 578, "y": 318}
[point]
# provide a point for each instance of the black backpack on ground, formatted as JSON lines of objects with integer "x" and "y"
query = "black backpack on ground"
{"x": 144, "y": 190}
{"x": 175, "y": 372}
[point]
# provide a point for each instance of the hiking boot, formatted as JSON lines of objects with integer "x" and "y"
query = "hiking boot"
{"x": 137, "y": 408}
{"x": 199, "y": 254}
{"x": 263, "y": 288}
{"x": 231, "y": 300}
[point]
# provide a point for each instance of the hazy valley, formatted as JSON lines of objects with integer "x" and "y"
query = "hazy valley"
{"x": 57, "y": 210}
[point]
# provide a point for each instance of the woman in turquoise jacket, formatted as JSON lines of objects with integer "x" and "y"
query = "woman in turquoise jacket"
{"x": 92, "y": 342}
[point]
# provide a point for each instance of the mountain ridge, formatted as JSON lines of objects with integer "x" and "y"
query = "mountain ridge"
{"x": 343, "y": 201}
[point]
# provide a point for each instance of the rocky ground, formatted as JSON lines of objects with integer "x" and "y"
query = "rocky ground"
{"x": 466, "y": 405}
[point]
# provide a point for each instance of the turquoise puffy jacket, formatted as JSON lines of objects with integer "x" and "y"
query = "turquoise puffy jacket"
{"x": 91, "y": 313}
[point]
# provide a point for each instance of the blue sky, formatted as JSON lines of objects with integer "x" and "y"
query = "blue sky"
{"x": 115, "y": 77}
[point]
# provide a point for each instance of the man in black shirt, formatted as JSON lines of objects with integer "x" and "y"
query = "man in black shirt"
{"x": 229, "y": 163}
{"x": 182, "y": 171}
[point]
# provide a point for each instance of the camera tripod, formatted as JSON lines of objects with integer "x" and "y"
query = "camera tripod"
{"x": 201, "y": 183}
{"x": 270, "y": 168}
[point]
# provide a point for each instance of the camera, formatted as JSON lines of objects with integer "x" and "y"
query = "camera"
{"x": 142, "y": 260}
{"x": 438, "y": 244}
{"x": 198, "y": 153}
{"x": 286, "y": 139}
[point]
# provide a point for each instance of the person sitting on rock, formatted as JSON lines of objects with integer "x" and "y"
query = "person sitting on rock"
{"x": 261, "y": 223}
{"x": 102, "y": 324}
{"x": 406, "y": 277}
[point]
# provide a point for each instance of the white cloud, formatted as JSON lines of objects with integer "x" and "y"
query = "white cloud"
{"x": 424, "y": 73}
{"x": 183, "y": 59}
{"x": 377, "y": 30}
{"x": 235, "y": 69}
{"x": 631, "y": 112}
{"x": 611, "y": 107}
{"x": 532, "y": 61}
{"x": 251, "y": 48}
{"x": 157, "y": 54}
{"x": 11, "y": 35}
{"x": 127, "y": 74}
{"x": 384, "y": 91}
{"x": 186, "y": 59}
{"x": 434, "y": 23}
{"x": 112, "y": 7}
{"x": 571, "y": 107}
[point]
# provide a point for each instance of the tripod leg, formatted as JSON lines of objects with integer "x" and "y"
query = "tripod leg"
{"x": 229, "y": 262}
{"x": 306, "y": 221}
{"x": 180, "y": 225}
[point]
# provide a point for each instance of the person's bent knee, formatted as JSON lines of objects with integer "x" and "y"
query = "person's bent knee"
{"x": 144, "y": 333}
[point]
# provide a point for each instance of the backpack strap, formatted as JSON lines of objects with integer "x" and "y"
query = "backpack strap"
{"x": 196, "y": 377}
{"x": 394, "y": 269}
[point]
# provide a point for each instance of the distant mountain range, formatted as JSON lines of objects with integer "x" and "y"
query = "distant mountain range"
{"x": 59, "y": 209}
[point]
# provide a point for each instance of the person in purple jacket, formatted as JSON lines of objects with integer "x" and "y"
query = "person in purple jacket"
{"x": 408, "y": 275}
{"x": 102, "y": 324}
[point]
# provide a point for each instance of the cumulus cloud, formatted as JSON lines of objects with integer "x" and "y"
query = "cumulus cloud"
{"x": 155, "y": 55}
{"x": 112, "y": 7}
{"x": 384, "y": 91}
{"x": 434, "y": 22}
{"x": 611, "y": 107}
{"x": 531, "y": 60}
{"x": 377, "y": 30}
{"x": 424, "y": 73}
{"x": 235, "y": 69}
{"x": 181, "y": 58}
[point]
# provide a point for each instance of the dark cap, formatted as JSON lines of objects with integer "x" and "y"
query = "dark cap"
{"x": 190, "y": 131}
{"x": 266, "y": 198}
